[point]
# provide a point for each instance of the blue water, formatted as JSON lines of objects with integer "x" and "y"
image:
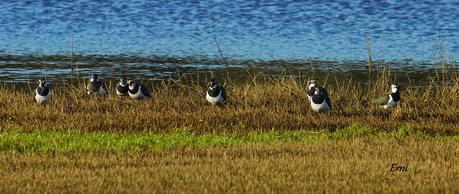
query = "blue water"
{"x": 245, "y": 29}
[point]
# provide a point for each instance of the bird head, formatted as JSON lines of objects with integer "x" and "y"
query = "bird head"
{"x": 316, "y": 91}
{"x": 213, "y": 84}
{"x": 311, "y": 84}
{"x": 123, "y": 81}
{"x": 93, "y": 78}
{"x": 41, "y": 82}
{"x": 132, "y": 84}
{"x": 395, "y": 88}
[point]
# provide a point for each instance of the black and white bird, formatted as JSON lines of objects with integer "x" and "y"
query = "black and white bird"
{"x": 137, "y": 91}
{"x": 122, "y": 87}
{"x": 318, "y": 97}
{"x": 42, "y": 93}
{"x": 390, "y": 100}
{"x": 215, "y": 93}
{"x": 96, "y": 86}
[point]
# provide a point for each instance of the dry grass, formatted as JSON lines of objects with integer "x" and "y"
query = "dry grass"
{"x": 253, "y": 105}
{"x": 359, "y": 165}
{"x": 348, "y": 159}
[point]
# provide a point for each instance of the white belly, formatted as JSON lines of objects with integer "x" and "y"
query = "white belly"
{"x": 390, "y": 103}
{"x": 320, "y": 107}
{"x": 101, "y": 91}
{"x": 137, "y": 95}
{"x": 215, "y": 100}
{"x": 42, "y": 99}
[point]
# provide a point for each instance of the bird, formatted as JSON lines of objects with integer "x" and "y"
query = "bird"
{"x": 96, "y": 86}
{"x": 318, "y": 97}
{"x": 215, "y": 93}
{"x": 320, "y": 101}
{"x": 42, "y": 92}
{"x": 122, "y": 88}
{"x": 390, "y": 100}
{"x": 137, "y": 91}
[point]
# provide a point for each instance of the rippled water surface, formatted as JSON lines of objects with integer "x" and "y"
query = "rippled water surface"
{"x": 245, "y": 30}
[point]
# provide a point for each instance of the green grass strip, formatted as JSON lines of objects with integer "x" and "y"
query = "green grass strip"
{"x": 24, "y": 141}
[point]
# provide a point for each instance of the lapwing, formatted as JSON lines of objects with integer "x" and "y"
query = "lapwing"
{"x": 137, "y": 91}
{"x": 215, "y": 93}
{"x": 390, "y": 100}
{"x": 320, "y": 102}
{"x": 122, "y": 88}
{"x": 96, "y": 86}
{"x": 42, "y": 93}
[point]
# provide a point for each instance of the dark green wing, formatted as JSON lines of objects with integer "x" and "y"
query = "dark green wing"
{"x": 223, "y": 93}
{"x": 380, "y": 101}
{"x": 325, "y": 94}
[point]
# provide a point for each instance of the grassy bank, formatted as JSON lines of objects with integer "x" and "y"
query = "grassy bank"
{"x": 259, "y": 104}
{"x": 64, "y": 141}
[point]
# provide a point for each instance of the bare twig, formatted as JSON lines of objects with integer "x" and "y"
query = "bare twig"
{"x": 223, "y": 58}
{"x": 370, "y": 63}
{"x": 71, "y": 60}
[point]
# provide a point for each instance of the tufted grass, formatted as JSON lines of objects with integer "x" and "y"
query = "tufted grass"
{"x": 258, "y": 104}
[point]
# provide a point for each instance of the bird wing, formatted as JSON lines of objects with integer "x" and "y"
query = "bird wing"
{"x": 91, "y": 87}
{"x": 144, "y": 91}
{"x": 380, "y": 101}
{"x": 43, "y": 91}
{"x": 323, "y": 91}
{"x": 88, "y": 86}
{"x": 223, "y": 93}
{"x": 104, "y": 87}
{"x": 325, "y": 94}
{"x": 122, "y": 89}
{"x": 327, "y": 99}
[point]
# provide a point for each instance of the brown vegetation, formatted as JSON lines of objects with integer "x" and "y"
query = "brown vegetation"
{"x": 258, "y": 104}
{"x": 359, "y": 165}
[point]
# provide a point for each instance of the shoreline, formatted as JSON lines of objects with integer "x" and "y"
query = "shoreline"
{"x": 65, "y": 69}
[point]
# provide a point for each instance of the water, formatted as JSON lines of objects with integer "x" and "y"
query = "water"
{"x": 246, "y": 31}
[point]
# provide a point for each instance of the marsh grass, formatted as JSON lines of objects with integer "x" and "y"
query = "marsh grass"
{"x": 258, "y": 104}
